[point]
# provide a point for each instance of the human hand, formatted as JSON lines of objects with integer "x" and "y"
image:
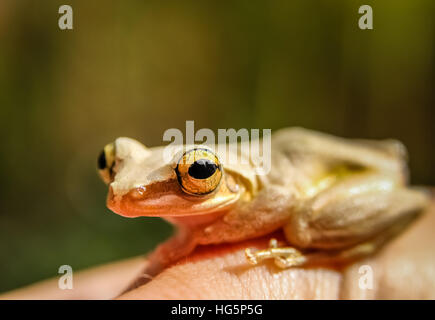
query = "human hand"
{"x": 404, "y": 269}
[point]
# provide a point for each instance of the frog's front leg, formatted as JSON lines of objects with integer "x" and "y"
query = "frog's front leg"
{"x": 350, "y": 220}
{"x": 167, "y": 253}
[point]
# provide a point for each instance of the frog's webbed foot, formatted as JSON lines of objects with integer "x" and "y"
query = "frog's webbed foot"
{"x": 284, "y": 257}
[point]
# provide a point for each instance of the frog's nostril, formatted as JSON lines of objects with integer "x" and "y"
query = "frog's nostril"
{"x": 138, "y": 193}
{"x": 102, "y": 163}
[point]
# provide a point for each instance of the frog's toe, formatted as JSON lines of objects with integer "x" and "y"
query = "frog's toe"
{"x": 251, "y": 257}
{"x": 290, "y": 261}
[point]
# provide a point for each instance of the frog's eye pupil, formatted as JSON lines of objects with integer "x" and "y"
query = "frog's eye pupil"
{"x": 202, "y": 169}
{"x": 102, "y": 163}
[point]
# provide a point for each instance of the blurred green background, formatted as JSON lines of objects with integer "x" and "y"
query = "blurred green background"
{"x": 137, "y": 68}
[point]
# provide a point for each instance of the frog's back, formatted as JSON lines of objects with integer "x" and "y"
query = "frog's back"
{"x": 301, "y": 156}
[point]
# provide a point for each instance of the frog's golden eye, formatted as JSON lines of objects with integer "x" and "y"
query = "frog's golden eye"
{"x": 106, "y": 162}
{"x": 199, "y": 171}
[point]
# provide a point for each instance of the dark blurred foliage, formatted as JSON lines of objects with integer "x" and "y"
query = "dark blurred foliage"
{"x": 137, "y": 68}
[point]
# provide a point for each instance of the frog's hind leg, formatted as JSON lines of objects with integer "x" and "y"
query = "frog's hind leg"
{"x": 354, "y": 211}
{"x": 286, "y": 257}
{"x": 349, "y": 221}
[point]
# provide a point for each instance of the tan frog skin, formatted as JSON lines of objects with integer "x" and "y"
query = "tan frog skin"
{"x": 335, "y": 199}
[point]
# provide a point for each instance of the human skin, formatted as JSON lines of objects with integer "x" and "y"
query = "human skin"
{"x": 404, "y": 269}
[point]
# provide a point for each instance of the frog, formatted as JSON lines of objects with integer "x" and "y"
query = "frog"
{"x": 335, "y": 200}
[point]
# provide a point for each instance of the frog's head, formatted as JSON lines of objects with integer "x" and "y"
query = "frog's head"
{"x": 195, "y": 181}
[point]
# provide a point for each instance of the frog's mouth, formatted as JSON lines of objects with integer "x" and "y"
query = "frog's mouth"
{"x": 166, "y": 199}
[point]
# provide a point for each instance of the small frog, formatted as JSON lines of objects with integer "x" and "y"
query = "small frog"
{"x": 335, "y": 199}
